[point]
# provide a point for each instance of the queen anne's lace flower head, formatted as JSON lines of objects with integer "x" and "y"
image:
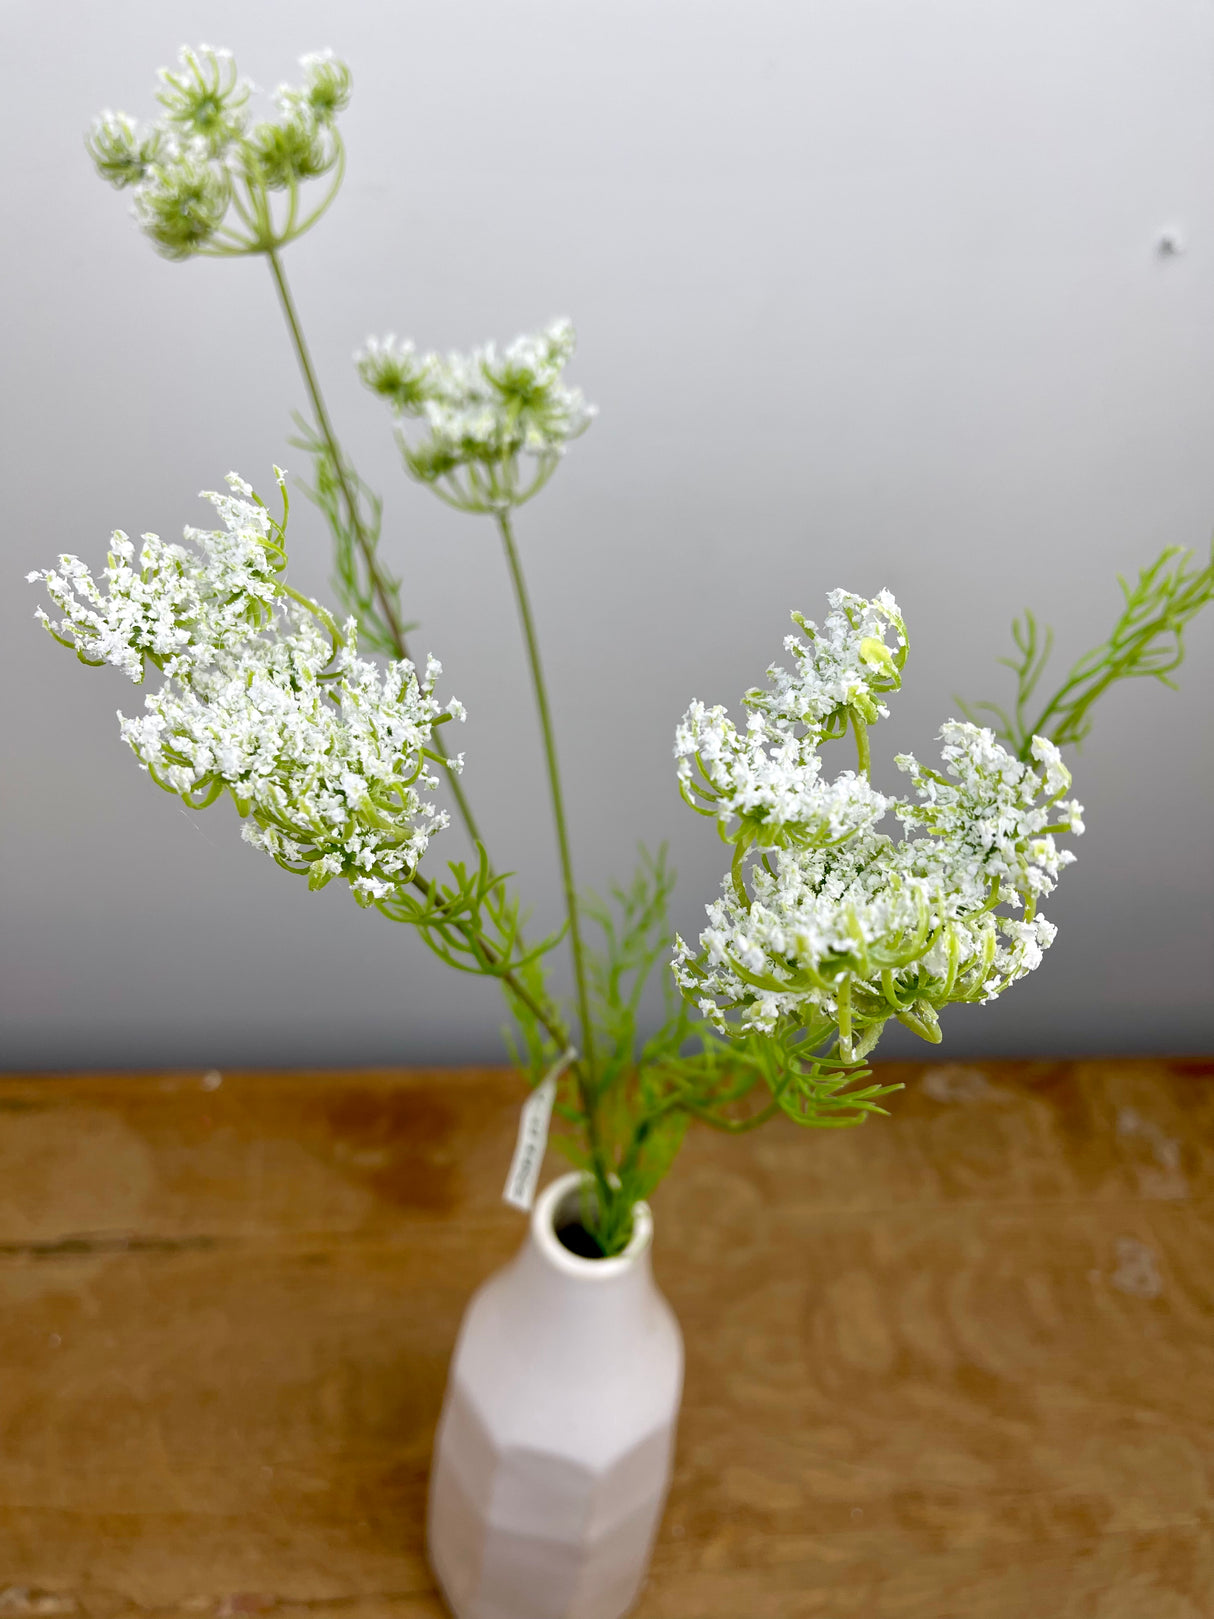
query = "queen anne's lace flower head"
{"x": 842, "y": 669}
{"x": 205, "y": 153}
{"x": 834, "y": 927}
{"x": 995, "y": 820}
{"x": 481, "y": 412}
{"x": 323, "y": 753}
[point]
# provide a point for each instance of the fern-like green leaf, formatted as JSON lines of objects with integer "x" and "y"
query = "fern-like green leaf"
{"x": 1146, "y": 642}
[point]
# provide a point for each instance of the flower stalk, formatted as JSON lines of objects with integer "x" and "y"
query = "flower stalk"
{"x": 388, "y": 605}
{"x": 552, "y": 765}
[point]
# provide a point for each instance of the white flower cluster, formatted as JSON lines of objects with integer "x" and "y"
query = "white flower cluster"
{"x": 187, "y": 168}
{"x": 769, "y": 778}
{"x": 177, "y": 604}
{"x": 989, "y": 819}
{"x": 481, "y": 412}
{"x": 322, "y": 752}
{"x": 833, "y": 926}
{"x": 843, "y": 668}
{"x": 770, "y": 781}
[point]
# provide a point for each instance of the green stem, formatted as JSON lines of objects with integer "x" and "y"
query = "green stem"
{"x": 544, "y": 1014}
{"x": 862, "y": 748}
{"x": 382, "y": 594}
{"x": 585, "y": 1069}
{"x": 589, "y": 1100}
{"x": 734, "y": 1127}
{"x": 550, "y": 1020}
{"x": 317, "y": 611}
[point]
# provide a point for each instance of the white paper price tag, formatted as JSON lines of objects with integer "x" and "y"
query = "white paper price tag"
{"x": 533, "y": 1136}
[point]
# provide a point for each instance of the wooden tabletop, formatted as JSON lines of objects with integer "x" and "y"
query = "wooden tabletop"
{"x": 957, "y": 1364}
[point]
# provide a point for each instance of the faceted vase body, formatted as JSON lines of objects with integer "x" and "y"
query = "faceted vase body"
{"x": 553, "y": 1451}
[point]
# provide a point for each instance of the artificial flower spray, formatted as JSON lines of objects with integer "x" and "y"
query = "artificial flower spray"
{"x": 842, "y": 909}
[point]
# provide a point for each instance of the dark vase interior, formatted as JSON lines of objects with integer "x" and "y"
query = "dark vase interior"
{"x": 578, "y": 1240}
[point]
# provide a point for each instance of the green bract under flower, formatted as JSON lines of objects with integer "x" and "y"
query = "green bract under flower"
{"x": 202, "y": 174}
{"x": 825, "y": 923}
{"x": 480, "y": 413}
{"x": 324, "y": 754}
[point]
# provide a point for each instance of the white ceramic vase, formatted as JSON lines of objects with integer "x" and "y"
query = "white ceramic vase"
{"x": 553, "y": 1451}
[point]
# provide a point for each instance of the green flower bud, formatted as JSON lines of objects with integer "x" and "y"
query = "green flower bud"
{"x": 291, "y": 149}
{"x": 121, "y": 153}
{"x": 181, "y": 205}
{"x": 205, "y": 99}
{"x": 326, "y": 87}
{"x": 432, "y": 459}
{"x": 398, "y": 373}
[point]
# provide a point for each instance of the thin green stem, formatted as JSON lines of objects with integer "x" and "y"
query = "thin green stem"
{"x": 317, "y": 611}
{"x": 863, "y": 753}
{"x": 543, "y": 1013}
{"x": 382, "y": 594}
{"x": 550, "y": 1020}
{"x": 589, "y": 1100}
{"x": 734, "y": 1127}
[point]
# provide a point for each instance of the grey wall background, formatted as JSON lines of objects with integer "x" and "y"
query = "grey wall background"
{"x": 868, "y": 292}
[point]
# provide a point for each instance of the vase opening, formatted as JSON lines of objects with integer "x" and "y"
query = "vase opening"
{"x": 569, "y": 1216}
{"x": 579, "y": 1241}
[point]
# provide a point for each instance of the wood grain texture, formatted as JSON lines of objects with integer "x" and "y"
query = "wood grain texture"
{"x": 958, "y": 1364}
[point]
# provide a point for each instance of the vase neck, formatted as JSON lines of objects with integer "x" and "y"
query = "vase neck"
{"x": 592, "y": 1318}
{"x": 604, "y": 1293}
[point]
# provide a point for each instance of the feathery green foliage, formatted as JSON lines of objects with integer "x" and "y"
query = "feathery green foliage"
{"x": 361, "y": 582}
{"x": 1145, "y": 643}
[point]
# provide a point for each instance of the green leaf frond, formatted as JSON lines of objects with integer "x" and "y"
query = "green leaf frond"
{"x": 360, "y": 580}
{"x": 1146, "y": 642}
{"x": 472, "y": 921}
{"x": 634, "y": 936}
